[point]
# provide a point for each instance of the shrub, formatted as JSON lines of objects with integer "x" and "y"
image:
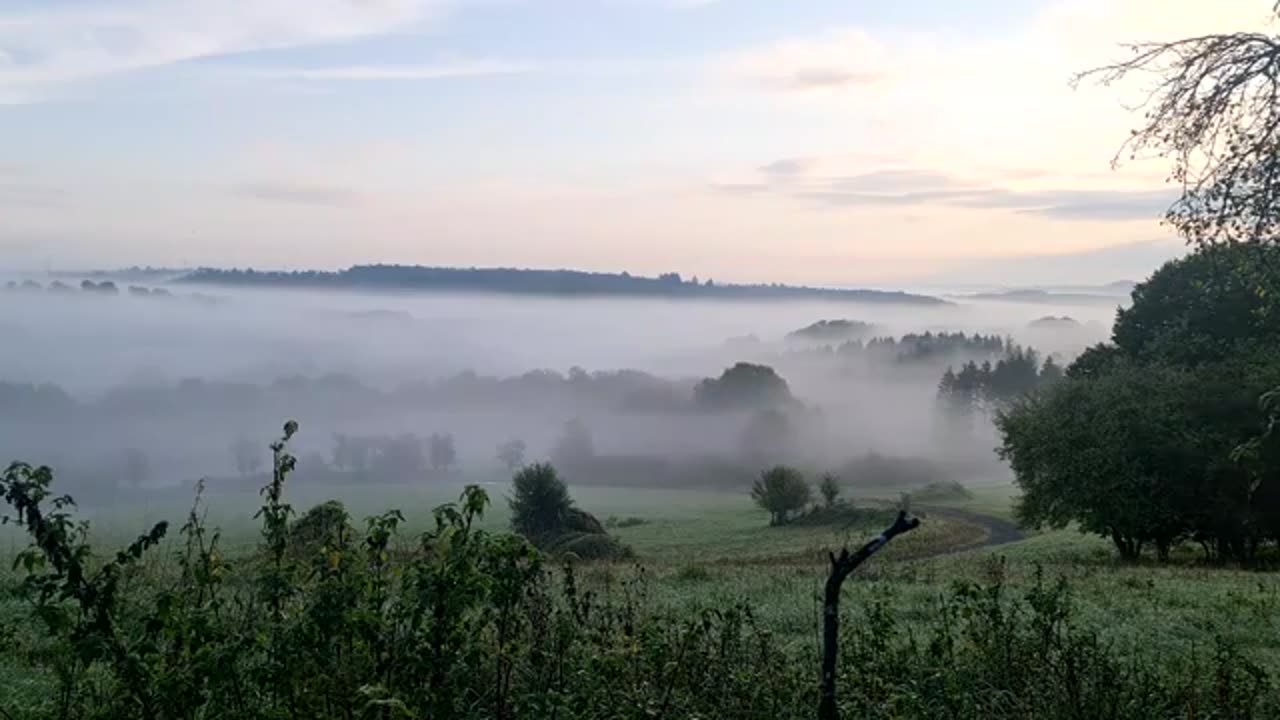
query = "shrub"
{"x": 577, "y": 520}
{"x": 590, "y": 546}
{"x": 543, "y": 512}
{"x": 324, "y": 524}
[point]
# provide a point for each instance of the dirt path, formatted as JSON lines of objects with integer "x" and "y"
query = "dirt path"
{"x": 998, "y": 530}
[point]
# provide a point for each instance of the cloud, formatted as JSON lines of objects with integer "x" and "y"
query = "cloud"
{"x": 1096, "y": 204}
{"x": 49, "y": 47}
{"x": 896, "y": 187}
{"x": 818, "y": 78}
{"x": 831, "y": 62}
{"x": 787, "y": 167}
{"x": 1123, "y": 261}
{"x": 441, "y": 71}
{"x": 300, "y": 194}
{"x": 900, "y": 180}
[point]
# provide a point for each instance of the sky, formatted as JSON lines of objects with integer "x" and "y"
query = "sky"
{"x": 839, "y": 142}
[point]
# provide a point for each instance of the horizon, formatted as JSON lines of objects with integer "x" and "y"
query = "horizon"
{"x": 829, "y": 145}
{"x": 941, "y": 290}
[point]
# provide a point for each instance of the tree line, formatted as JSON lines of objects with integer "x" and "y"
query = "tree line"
{"x": 536, "y": 282}
{"x": 98, "y": 288}
{"x": 742, "y": 386}
{"x": 985, "y": 388}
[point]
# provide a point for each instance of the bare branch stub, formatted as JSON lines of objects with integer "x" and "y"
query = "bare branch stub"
{"x": 841, "y": 566}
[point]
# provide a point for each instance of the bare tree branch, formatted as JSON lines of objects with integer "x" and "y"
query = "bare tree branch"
{"x": 1213, "y": 112}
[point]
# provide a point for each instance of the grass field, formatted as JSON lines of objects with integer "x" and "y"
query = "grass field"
{"x": 699, "y": 549}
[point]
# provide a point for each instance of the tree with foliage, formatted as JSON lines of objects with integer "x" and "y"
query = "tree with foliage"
{"x": 511, "y": 453}
{"x": 1214, "y": 112}
{"x": 543, "y": 512}
{"x": 540, "y": 503}
{"x": 743, "y": 386}
{"x": 1050, "y": 372}
{"x": 1105, "y": 454}
{"x": 1151, "y": 439}
{"x": 1147, "y": 455}
{"x": 442, "y": 452}
{"x": 781, "y": 490}
{"x": 829, "y": 488}
{"x": 1202, "y": 308}
{"x": 1094, "y": 361}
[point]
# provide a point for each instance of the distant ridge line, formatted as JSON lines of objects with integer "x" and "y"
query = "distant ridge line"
{"x": 556, "y": 283}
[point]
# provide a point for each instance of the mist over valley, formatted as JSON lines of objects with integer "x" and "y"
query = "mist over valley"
{"x": 166, "y": 379}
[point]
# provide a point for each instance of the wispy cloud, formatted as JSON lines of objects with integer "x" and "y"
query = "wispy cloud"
{"x": 817, "y": 78}
{"x": 300, "y": 194}
{"x": 786, "y": 167}
{"x": 45, "y": 48}
{"x": 888, "y": 187}
{"x": 838, "y": 60}
{"x": 441, "y": 71}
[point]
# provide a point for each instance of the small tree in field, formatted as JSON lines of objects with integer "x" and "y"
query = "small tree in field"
{"x": 830, "y": 489}
{"x": 541, "y": 503}
{"x": 781, "y": 490}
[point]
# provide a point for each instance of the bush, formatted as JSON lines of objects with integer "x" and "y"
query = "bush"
{"x": 580, "y": 521}
{"x": 324, "y": 524}
{"x": 543, "y": 512}
{"x": 590, "y": 546}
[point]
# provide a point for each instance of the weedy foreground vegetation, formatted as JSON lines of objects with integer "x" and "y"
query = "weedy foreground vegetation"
{"x": 716, "y": 617}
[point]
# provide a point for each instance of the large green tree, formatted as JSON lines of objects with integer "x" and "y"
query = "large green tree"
{"x": 1103, "y": 453}
{"x": 1147, "y": 454}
